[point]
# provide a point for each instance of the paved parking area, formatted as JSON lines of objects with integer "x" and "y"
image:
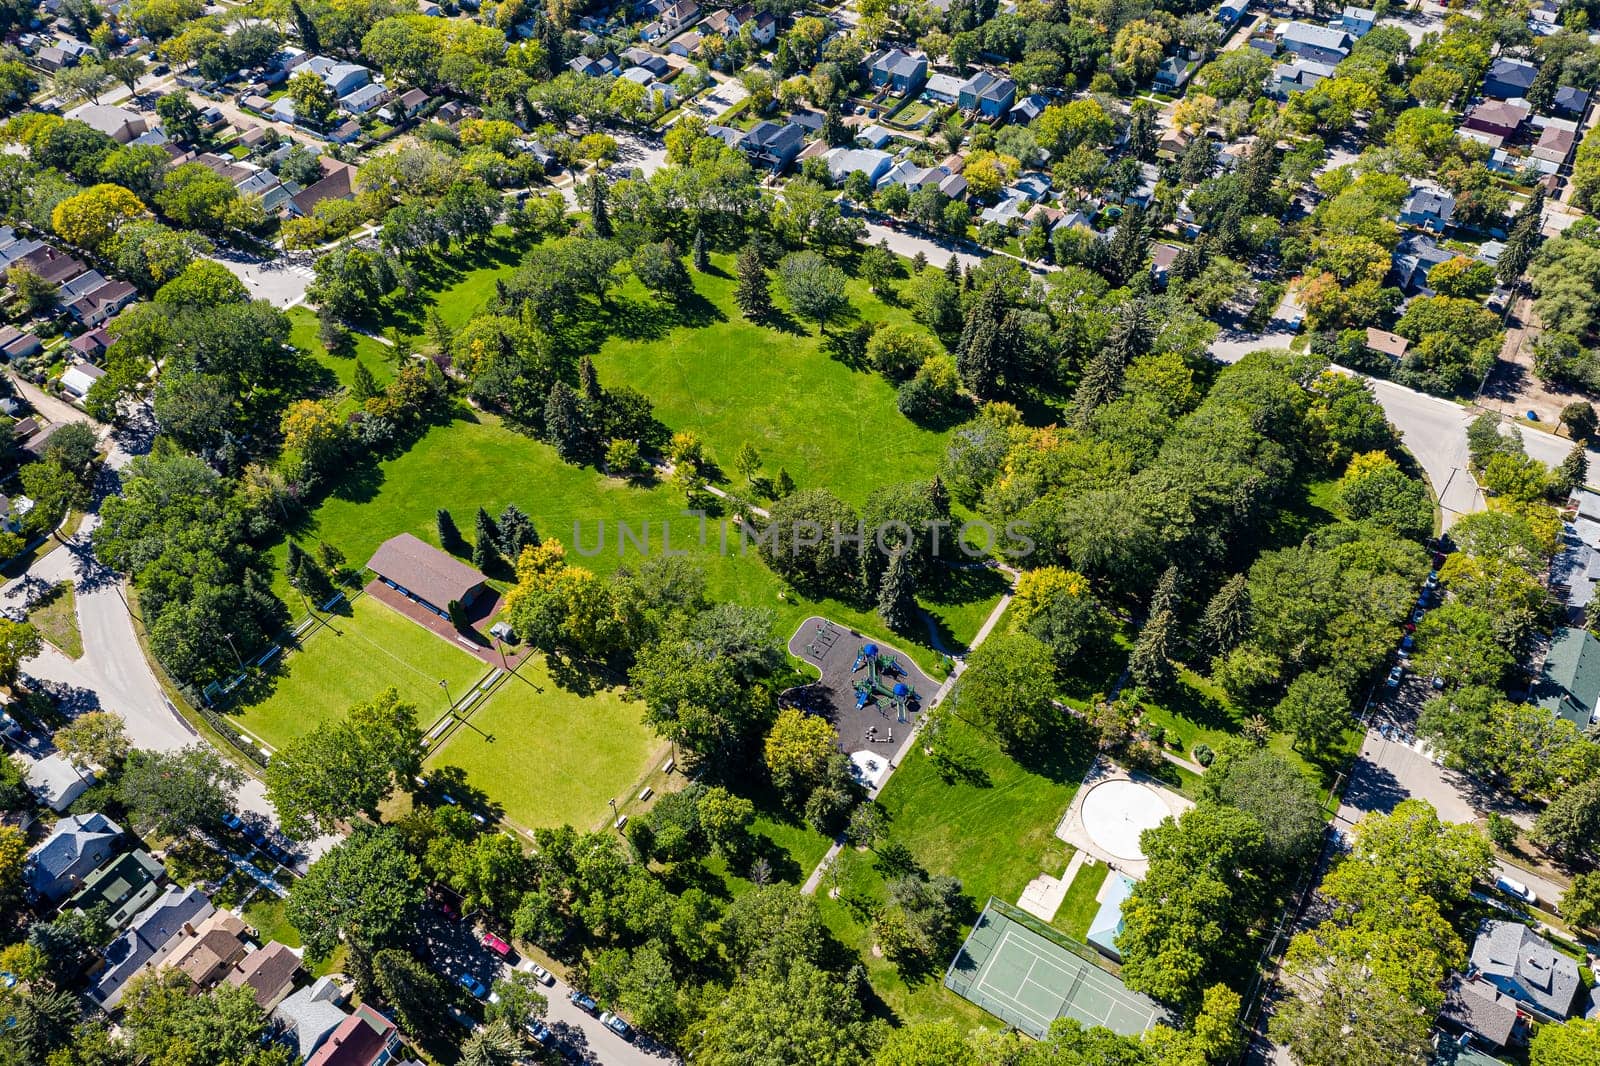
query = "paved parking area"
{"x": 726, "y": 95}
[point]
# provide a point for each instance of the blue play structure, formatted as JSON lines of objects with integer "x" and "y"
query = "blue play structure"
{"x": 879, "y": 667}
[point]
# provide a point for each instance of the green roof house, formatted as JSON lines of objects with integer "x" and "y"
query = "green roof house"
{"x": 125, "y": 886}
{"x": 1569, "y": 683}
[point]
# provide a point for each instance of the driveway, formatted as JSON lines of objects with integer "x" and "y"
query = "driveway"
{"x": 716, "y": 103}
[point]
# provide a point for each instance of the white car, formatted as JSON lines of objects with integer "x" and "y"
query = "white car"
{"x": 540, "y": 974}
{"x": 1512, "y": 887}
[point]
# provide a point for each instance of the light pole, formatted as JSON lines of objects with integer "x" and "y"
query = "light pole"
{"x": 229, "y": 638}
{"x": 448, "y": 701}
{"x": 615, "y": 817}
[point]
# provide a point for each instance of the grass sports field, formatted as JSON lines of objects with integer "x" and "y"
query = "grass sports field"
{"x": 353, "y": 658}
{"x": 557, "y": 756}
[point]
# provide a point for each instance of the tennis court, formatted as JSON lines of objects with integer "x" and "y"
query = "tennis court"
{"x": 1028, "y": 975}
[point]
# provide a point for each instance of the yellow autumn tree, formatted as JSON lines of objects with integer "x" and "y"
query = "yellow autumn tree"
{"x": 93, "y": 216}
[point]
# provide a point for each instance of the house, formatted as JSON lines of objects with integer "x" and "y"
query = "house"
{"x": 1298, "y": 76}
{"x": 942, "y": 88}
{"x": 1569, "y": 102}
{"x": 52, "y": 59}
{"x": 874, "y": 137}
{"x": 1429, "y": 209}
{"x": 1509, "y": 79}
{"x": 1568, "y": 684}
{"x": 1479, "y": 1011}
{"x": 269, "y": 973}
{"x": 772, "y": 144}
{"x": 678, "y": 15}
{"x": 13, "y": 509}
{"x": 55, "y": 781}
{"x": 366, "y": 1038}
{"x": 283, "y": 109}
{"x": 1324, "y": 44}
{"x": 763, "y": 25}
{"x": 1010, "y": 209}
{"x": 15, "y": 344}
{"x": 1357, "y": 21}
{"x": 722, "y": 22}
{"x": 363, "y": 99}
{"x": 1523, "y": 965}
{"x": 1498, "y": 118}
{"x": 309, "y": 1016}
{"x": 99, "y": 304}
{"x": 1174, "y": 72}
{"x": 118, "y": 123}
{"x": 345, "y": 133}
{"x": 1554, "y": 145}
{"x": 210, "y": 950}
{"x": 1162, "y": 256}
{"x": 423, "y": 573}
{"x": 79, "y": 378}
{"x": 1413, "y": 259}
{"x": 898, "y": 71}
{"x": 265, "y": 186}
{"x": 1028, "y": 108}
{"x": 686, "y": 44}
{"x": 340, "y": 77}
{"x": 638, "y": 57}
{"x": 123, "y": 887}
{"x": 1230, "y": 14}
{"x": 53, "y": 266}
{"x": 1385, "y": 343}
{"x": 77, "y": 846}
{"x": 592, "y": 68}
{"x": 338, "y": 183}
{"x": 987, "y": 93}
{"x": 916, "y": 178}
{"x": 1149, "y": 177}
{"x": 843, "y": 162}
{"x": 1107, "y": 923}
{"x": 411, "y": 103}
{"x": 148, "y": 940}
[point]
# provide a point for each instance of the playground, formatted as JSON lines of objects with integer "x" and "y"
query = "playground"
{"x": 1028, "y": 975}
{"x": 870, "y": 692}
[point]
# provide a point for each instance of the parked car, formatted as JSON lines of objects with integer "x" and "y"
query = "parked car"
{"x": 473, "y": 986}
{"x": 496, "y": 945}
{"x": 539, "y": 1031}
{"x": 540, "y": 974}
{"x": 1512, "y": 887}
{"x": 232, "y": 821}
{"x": 1395, "y": 676}
{"x": 617, "y": 1025}
{"x": 584, "y": 1002}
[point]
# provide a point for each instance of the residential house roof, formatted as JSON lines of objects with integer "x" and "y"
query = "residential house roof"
{"x": 361, "y": 1040}
{"x": 722, "y": 22}
{"x": 874, "y": 136}
{"x": 1524, "y": 965}
{"x": 1029, "y": 107}
{"x": 55, "y": 781}
{"x": 52, "y": 265}
{"x": 269, "y": 973}
{"x": 424, "y": 570}
{"x": 1496, "y": 115}
{"x": 92, "y": 306}
{"x": 897, "y": 63}
{"x": 1555, "y": 144}
{"x": 1162, "y": 256}
{"x": 1010, "y": 208}
{"x": 338, "y": 183}
{"x": 124, "y": 886}
{"x": 943, "y": 85}
{"x": 1569, "y": 681}
{"x": 1106, "y": 924}
{"x": 1570, "y": 101}
{"x": 1429, "y": 203}
{"x": 76, "y": 846}
{"x": 1480, "y": 1009}
{"x": 147, "y": 940}
{"x": 845, "y": 161}
{"x": 1382, "y": 341}
{"x": 365, "y": 96}
{"x": 209, "y": 950}
{"x": 1331, "y": 38}
{"x": 1510, "y": 74}
{"x": 987, "y": 85}
{"x": 307, "y": 1017}
{"x": 119, "y": 123}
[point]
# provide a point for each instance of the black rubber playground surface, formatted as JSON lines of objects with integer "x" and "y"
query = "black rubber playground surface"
{"x": 833, "y": 649}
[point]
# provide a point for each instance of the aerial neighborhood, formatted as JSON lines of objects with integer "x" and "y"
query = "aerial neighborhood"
{"x": 761, "y": 533}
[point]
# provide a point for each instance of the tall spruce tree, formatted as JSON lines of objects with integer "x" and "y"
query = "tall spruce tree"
{"x": 363, "y": 386}
{"x": 439, "y": 332}
{"x": 564, "y": 423}
{"x": 486, "y": 536}
{"x": 897, "y": 593}
{"x": 1168, "y": 595}
{"x": 754, "y": 291}
{"x": 1523, "y": 240}
{"x": 515, "y": 532}
{"x": 1151, "y": 662}
{"x": 702, "y": 257}
{"x": 449, "y": 536}
{"x": 1574, "y": 472}
{"x": 1226, "y": 622}
{"x": 599, "y": 213}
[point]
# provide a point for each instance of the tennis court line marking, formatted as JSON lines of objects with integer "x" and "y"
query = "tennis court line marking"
{"x": 1114, "y": 997}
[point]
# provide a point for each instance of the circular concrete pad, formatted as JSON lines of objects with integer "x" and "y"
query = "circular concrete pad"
{"x": 1115, "y": 812}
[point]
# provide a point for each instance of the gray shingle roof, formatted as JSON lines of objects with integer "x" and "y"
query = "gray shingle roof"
{"x": 148, "y": 939}
{"x": 1524, "y": 965}
{"x": 75, "y": 848}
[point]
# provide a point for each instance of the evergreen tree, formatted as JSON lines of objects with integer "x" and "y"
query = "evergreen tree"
{"x": 439, "y": 333}
{"x": 449, "y": 536}
{"x": 599, "y": 217}
{"x": 939, "y": 497}
{"x": 363, "y": 386}
{"x": 952, "y": 270}
{"x": 309, "y": 39}
{"x": 1151, "y": 662}
{"x": 331, "y": 558}
{"x": 1194, "y": 166}
{"x": 1257, "y": 172}
{"x": 1168, "y": 594}
{"x": 1522, "y": 241}
{"x": 897, "y": 593}
{"x": 1100, "y": 384}
{"x": 502, "y": 295}
{"x": 589, "y": 385}
{"x": 1142, "y": 136}
{"x": 487, "y": 535}
{"x": 1574, "y": 472}
{"x": 1226, "y": 622}
{"x": 293, "y": 559}
{"x": 702, "y": 257}
{"x": 834, "y": 131}
{"x": 919, "y": 262}
{"x": 980, "y": 356}
{"x": 783, "y": 484}
{"x": 458, "y": 614}
{"x": 312, "y": 580}
{"x": 1129, "y": 246}
{"x": 754, "y": 292}
{"x": 515, "y": 532}
{"x": 564, "y": 424}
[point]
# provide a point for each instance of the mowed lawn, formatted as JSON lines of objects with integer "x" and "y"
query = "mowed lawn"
{"x": 351, "y": 659}
{"x": 556, "y": 756}
{"x": 475, "y": 461}
{"x": 733, "y": 382}
{"x": 304, "y": 333}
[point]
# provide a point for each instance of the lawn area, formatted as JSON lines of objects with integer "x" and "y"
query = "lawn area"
{"x": 304, "y": 334}
{"x": 265, "y": 914}
{"x": 556, "y": 756}
{"x": 732, "y": 381}
{"x": 1080, "y": 906}
{"x": 352, "y": 658}
{"x": 475, "y": 460}
{"x": 55, "y": 615}
{"x": 992, "y": 826}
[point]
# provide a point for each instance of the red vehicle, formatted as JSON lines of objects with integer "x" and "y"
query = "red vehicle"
{"x": 495, "y": 944}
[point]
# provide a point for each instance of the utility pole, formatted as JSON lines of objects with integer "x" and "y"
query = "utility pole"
{"x": 229, "y": 638}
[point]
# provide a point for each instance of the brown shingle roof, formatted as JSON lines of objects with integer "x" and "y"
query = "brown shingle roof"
{"x": 424, "y": 570}
{"x": 1390, "y": 344}
{"x": 268, "y": 973}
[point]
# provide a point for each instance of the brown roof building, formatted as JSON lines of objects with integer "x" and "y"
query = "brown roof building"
{"x": 338, "y": 183}
{"x": 269, "y": 973}
{"x": 209, "y": 950}
{"x": 1391, "y": 344}
{"x": 425, "y": 574}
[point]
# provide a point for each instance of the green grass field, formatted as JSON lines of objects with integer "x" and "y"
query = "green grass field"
{"x": 353, "y": 658}
{"x": 303, "y": 334}
{"x": 557, "y": 756}
{"x": 1079, "y": 907}
{"x": 56, "y": 618}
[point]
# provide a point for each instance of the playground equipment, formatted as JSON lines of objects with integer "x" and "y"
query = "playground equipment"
{"x": 879, "y": 667}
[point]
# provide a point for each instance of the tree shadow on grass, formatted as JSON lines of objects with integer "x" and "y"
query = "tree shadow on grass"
{"x": 1192, "y": 705}
{"x": 451, "y": 781}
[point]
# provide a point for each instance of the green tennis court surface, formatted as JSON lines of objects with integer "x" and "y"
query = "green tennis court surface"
{"x": 1028, "y": 975}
